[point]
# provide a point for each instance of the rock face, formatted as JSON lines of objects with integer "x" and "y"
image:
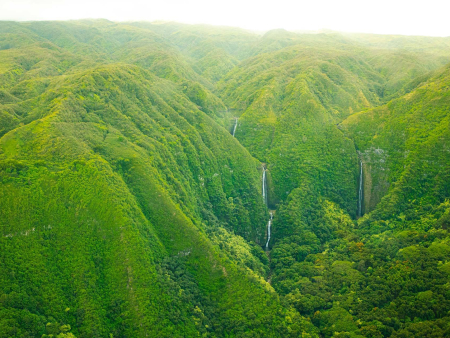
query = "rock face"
{"x": 375, "y": 178}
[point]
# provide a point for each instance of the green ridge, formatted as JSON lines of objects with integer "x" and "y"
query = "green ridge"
{"x": 127, "y": 209}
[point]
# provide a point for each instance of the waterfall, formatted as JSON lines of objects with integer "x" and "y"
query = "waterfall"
{"x": 264, "y": 186}
{"x": 268, "y": 230}
{"x": 265, "y": 199}
{"x": 360, "y": 191}
{"x": 235, "y": 125}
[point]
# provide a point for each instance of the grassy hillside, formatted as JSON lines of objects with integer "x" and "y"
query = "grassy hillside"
{"x": 404, "y": 146}
{"x": 129, "y": 210}
{"x": 126, "y": 190}
{"x": 290, "y": 102}
{"x": 387, "y": 274}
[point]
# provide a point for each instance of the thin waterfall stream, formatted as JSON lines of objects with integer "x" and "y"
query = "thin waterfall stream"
{"x": 268, "y": 230}
{"x": 266, "y": 202}
{"x": 264, "y": 186}
{"x": 235, "y": 125}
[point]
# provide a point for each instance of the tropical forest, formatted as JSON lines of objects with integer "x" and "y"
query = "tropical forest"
{"x": 160, "y": 179}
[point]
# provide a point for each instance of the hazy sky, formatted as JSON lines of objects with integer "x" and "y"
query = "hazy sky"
{"x": 410, "y": 17}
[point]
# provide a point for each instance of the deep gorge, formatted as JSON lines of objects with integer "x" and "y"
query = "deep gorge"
{"x": 174, "y": 180}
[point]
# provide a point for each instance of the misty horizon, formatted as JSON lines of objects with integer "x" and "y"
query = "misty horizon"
{"x": 350, "y": 16}
{"x": 250, "y": 30}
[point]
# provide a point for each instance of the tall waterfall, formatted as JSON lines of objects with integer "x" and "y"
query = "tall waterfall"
{"x": 266, "y": 202}
{"x": 268, "y": 230}
{"x": 264, "y": 186}
{"x": 360, "y": 191}
{"x": 235, "y": 125}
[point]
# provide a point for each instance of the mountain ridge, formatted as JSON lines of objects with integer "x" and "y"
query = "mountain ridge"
{"x": 131, "y": 208}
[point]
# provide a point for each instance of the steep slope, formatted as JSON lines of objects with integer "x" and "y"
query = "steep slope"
{"x": 56, "y": 48}
{"x": 128, "y": 209}
{"x": 388, "y": 275}
{"x": 117, "y": 182}
{"x": 213, "y": 51}
{"x": 291, "y": 101}
{"x": 404, "y": 146}
{"x": 290, "y": 97}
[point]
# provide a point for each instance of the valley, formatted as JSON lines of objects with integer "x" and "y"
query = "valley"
{"x": 173, "y": 180}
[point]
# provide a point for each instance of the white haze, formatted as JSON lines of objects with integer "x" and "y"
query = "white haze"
{"x": 366, "y": 16}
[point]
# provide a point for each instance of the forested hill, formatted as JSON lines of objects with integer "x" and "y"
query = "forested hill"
{"x": 128, "y": 209}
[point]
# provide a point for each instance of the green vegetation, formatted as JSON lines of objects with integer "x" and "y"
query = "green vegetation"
{"x": 128, "y": 210}
{"x": 386, "y": 275}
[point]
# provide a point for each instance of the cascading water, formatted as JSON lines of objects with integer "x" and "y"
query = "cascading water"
{"x": 264, "y": 186}
{"x": 360, "y": 191}
{"x": 265, "y": 199}
{"x": 235, "y": 125}
{"x": 268, "y": 230}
